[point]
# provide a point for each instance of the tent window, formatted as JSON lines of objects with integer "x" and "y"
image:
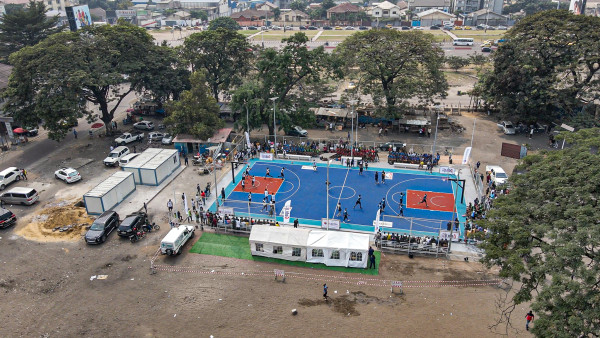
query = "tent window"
{"x": 335, "y": 254}
{"x": 277, "y": 250}
{"x": 296, "y": 252}
{"x": 356, "y": 256}
{"x": 259, "y": 247}
{"x": 317, "y": 252}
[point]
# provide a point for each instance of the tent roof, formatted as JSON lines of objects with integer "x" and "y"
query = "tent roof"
{"x": 336, "y": 112}
{"x": 338, "y": 240}
{"x": 279, "y": 235}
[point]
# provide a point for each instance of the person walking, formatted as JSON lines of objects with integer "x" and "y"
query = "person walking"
{"x": 358, "y": 202}
{"x": 222, "y": 195}
{"x": 75, "y": 133}
{"x": 383, "y": 204}
{"x": 265, "y": 205}
{"x": 185, "y": 160}
{"x": 179, "y": 216}
{"x": 346, "y": 215}
{"x": 170, "y": 206}
{"x": 282, "y": 175}
{"x": 424, "y": 200}
{"x": 249, "y": 198}
{"x": 266, "y": 194}
{"x": 360, "y": 169}
{"x": 531, "y": 133}
{"x": 253, "y": 181}
{"x": 372, "y": 262}
{"x": 145, "y": 208}
{"x": 268, "y": 174}
{"x": 24, "y": 173}
{"x": 198, "y": 188}
{"x": 401, "y": 210}
{"x": 376, "y": 177}
{"x": 383, "y": 177}
{"x": 529, "y": 318}
{"x": 243, "y": 185}
{"x": 401, "y": 198}
{"x": 478, "y": 164}
{"x": 338, "y": 210}
{"x": 325, "y": 291}
{"x": 203, "y": 195}
{"x": 189, "y": 215}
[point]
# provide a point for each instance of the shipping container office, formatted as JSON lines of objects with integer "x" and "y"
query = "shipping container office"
{"x": 109, "y": 193}
{"x": 135, "y": 165}
{"x": 160, "y": 167}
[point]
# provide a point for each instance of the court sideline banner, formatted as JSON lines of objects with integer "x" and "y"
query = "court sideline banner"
{"x": 266, "y": 156}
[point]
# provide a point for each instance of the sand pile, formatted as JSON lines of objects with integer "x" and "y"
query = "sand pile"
{"x": 61, "y": 222}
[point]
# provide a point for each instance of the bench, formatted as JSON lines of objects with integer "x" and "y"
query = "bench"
{"x": 407, "y": 165}
{"x": 294, "y": 157}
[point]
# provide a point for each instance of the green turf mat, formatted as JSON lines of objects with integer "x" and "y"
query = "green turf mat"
{"x": 239, "y": 247}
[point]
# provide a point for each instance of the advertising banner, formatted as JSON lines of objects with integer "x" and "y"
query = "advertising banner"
{"x": 266, "y": 156}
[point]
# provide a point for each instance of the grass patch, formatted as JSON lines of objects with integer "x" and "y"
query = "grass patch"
{"x": 239, "y": 247}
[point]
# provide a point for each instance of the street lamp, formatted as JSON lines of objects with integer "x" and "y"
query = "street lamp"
{"x": 327, "y": 196}
{"x": 274, "y": 124}
{"x": 352, "y": 103}
{"x": 437, "y": 120}
{"x": 247, "y": 123}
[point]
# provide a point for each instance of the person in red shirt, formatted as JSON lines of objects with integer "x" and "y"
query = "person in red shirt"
{"x": 529, "y": 317}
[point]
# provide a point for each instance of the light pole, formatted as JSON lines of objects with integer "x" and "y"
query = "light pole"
{"x": 274, "y": 124}
{"x": 247, "y": 123}
{"x": 327, "y": 196}
{"x": 437, "y": 120}
{"x": 352, "y": 103}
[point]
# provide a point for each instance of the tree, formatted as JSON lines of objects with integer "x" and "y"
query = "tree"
{"x": 196, "y": 113}
{"x": 202, "y": 15}
{"x": 327, "y": 4}
{"x": 548, "y": 67}
{"x": 283, "y": 74}
{"x": 276, "y": 13}
{"x": 105, "y": 64}
{"x": 224, "y": 54}
{"x": 457, "y": 62}
{"x": 317, "y": 13}
{"x": 395, "y": 66}
{"x": 224, "y": 22}
{"x": 545, "y": 236}
{"x": 478, "y": 59}
{"x": 26, "y": 27}
{"x": 298, "y": 5}
{"x": 529, "y": 6}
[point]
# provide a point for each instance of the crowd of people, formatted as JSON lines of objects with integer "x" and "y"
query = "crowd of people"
{"x": 404, "y": 156}
{"x": 403, "y": 238}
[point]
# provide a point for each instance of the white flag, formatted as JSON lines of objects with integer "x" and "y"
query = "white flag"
{"x": 377, "y": 218}
{"x": 185, "y": 205}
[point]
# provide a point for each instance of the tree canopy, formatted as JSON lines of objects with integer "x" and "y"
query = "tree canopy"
{"x": 196, "y": 112}
{"x": 545, "y": 235}
{"x": 548, "y": 67}
{"x": 395, "y": 66}
{"x": 224, "y": 22}
{"x": 26, "y": 27}
{"x": 457, "y": 62}
{"x": 530, "y": 6}
{"x": 105, "y": 64}
{"x": 283, "y": 74}
{"x": 299, "y": 5}
{"x": 224, "y": 54}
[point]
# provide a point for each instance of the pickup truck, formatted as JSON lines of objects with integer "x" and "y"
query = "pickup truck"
{"x": 128, "y": 138}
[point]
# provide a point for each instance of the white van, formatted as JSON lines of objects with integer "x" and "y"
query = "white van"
{"x": 176, "y": 239}
{"x": 115, "y": 155}
{"x": 20, "y": 195}
{"x": 126, "y": 159}
{"x": 8, "y": 176}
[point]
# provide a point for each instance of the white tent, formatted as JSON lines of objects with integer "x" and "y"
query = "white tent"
{"x": 279, "y": 242}
{"x": 336, "y": 248}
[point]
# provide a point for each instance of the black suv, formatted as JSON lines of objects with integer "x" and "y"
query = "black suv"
{"x": 102, "y": 227}
{"x": 131, "y": 224}
{"x": 327, "y": 28}
{"x": 7, "y": 218}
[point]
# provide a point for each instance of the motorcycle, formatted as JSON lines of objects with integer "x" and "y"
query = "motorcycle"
{"x": 137, "y": 236}
{"x": 150, "y": 227}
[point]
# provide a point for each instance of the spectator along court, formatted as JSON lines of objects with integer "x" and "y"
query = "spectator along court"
{"x": 306, "y": 189}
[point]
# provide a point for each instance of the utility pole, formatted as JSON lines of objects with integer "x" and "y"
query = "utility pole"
{"x": 274, "y": 124}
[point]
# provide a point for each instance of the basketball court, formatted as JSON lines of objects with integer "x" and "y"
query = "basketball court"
{"x": 307, "y": 191}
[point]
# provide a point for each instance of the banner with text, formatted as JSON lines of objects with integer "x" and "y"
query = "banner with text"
{"x": 266, "y": 156}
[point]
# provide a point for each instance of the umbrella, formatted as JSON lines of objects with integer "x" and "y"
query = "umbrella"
{"x": 19, "y": 131}
{"x": 97, "y": 125}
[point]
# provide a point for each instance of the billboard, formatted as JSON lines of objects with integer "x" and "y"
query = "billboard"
{"x": 577, "y": 7}
{"x": 125, "y": 13}
{"x": 79, "y": 17}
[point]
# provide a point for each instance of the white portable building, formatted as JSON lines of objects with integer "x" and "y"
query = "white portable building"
{"x": 109, "y": 193}
{"x": 135, "y": 164}
{"x": 159, "y": 167}
{"x": 279, "y": 242}
{"x": 336, "y": 248}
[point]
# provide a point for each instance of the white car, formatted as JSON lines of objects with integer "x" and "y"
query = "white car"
{"x": 168, "y": 139}
{"x": 8, "y": 176}
{"x": 156, "y": 136}
{"x": 507, "y": 127}
{"x": 497, "y": 174}
{"x": 144, "y": 125}
{"x": 69, "y": 175}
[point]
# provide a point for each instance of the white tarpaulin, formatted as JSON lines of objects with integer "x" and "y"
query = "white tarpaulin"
{"x": 279, "y": 242}
{"x": 335, "y": 248}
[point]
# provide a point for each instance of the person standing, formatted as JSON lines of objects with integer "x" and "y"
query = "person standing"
{"x": 314, "y": 166}
{"x": 273, "y": 198}
{"x": 338, "y": 210}
{"x": 429, "y": 132}
{"x": 268, "y": 174}
{"x": 383, "y": 177}
{"x": 372, "y": 261}
{"x": 282, "y": 175}
{"x": 358, "y": 202}
{"x": 203, "y": 195}
{"x": 198, "y": 188}
{"x": 222, "y": 195}
{"x": 243, "y": 185}
{"x": 24, "y": 173}
{"x": 253, "y": 181}
{"x": 249, "y": 198}
{"x": 170, "y": 206}
{"x": 383, "y": 204}
{"x": 401, "y": 210}
{"x": 376, "y": 177}
{"x": 265, "y": 205}
{"x": 478, "y": 164}
{"x": 325, "y": 291}
{"x": 145, "y": 208}
{"x": 179, "y": 216}
{"x": 531, "y": 133}
{"x": 185, "y": 160}
{"x": 529, "y": 317}
{"x": 424, "y": 200}
{"x": 360, "y": 169}
{"x": 296, "y": 223}
{"x": 266, "y": 194}
{"x": 75, "y": 133}
{"x": 401, "y": 198}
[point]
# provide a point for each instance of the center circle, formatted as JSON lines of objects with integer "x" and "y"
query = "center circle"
{"x": 346, "y": 193}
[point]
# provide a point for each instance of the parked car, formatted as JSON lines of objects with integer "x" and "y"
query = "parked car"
{"x": 349, "y": 28}
{"x": 467, "y": 28}
{"x": 168, "y": 139}
{"x": 252, "y": 28}
{"x": 405, "y": 28}
{"x": 114, "y": 156}
{"x": 155, "y": 136}
{"x": 303, "y": 28}
{"x": 363, "y": 28}
{"x": 327, "y": 28}
{"x": 131, "y": 224}
{"x": 458, "y": 28}
{"x": 312, "y": 28}
{"x": 486, "y": 49}
{"x": 276, "y": 28}
{"x": 502, "y": 27}
{"x": 69, "y": 175}
{"x": 289, "y": 28}
{"x": 434, "y": 27}
{"x": 128, "y": 138}
{"x": 338, "y": 28}
{"x": 8, "y": 176}
{"x": 297, "y": 131}
{"x": 393, "y": 145}
{"x": 507, "y": 127}
{"x": 497, "y": 174}
{"x": 7, "y": 218}
{"x": 102, "y": 227}
{"x": 20, "y": 195}
{"x": 144, "y": 125}
{"x": 175, "y": 240}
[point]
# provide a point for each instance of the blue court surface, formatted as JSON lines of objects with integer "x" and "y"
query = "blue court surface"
{"x": 307, "y": 191}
